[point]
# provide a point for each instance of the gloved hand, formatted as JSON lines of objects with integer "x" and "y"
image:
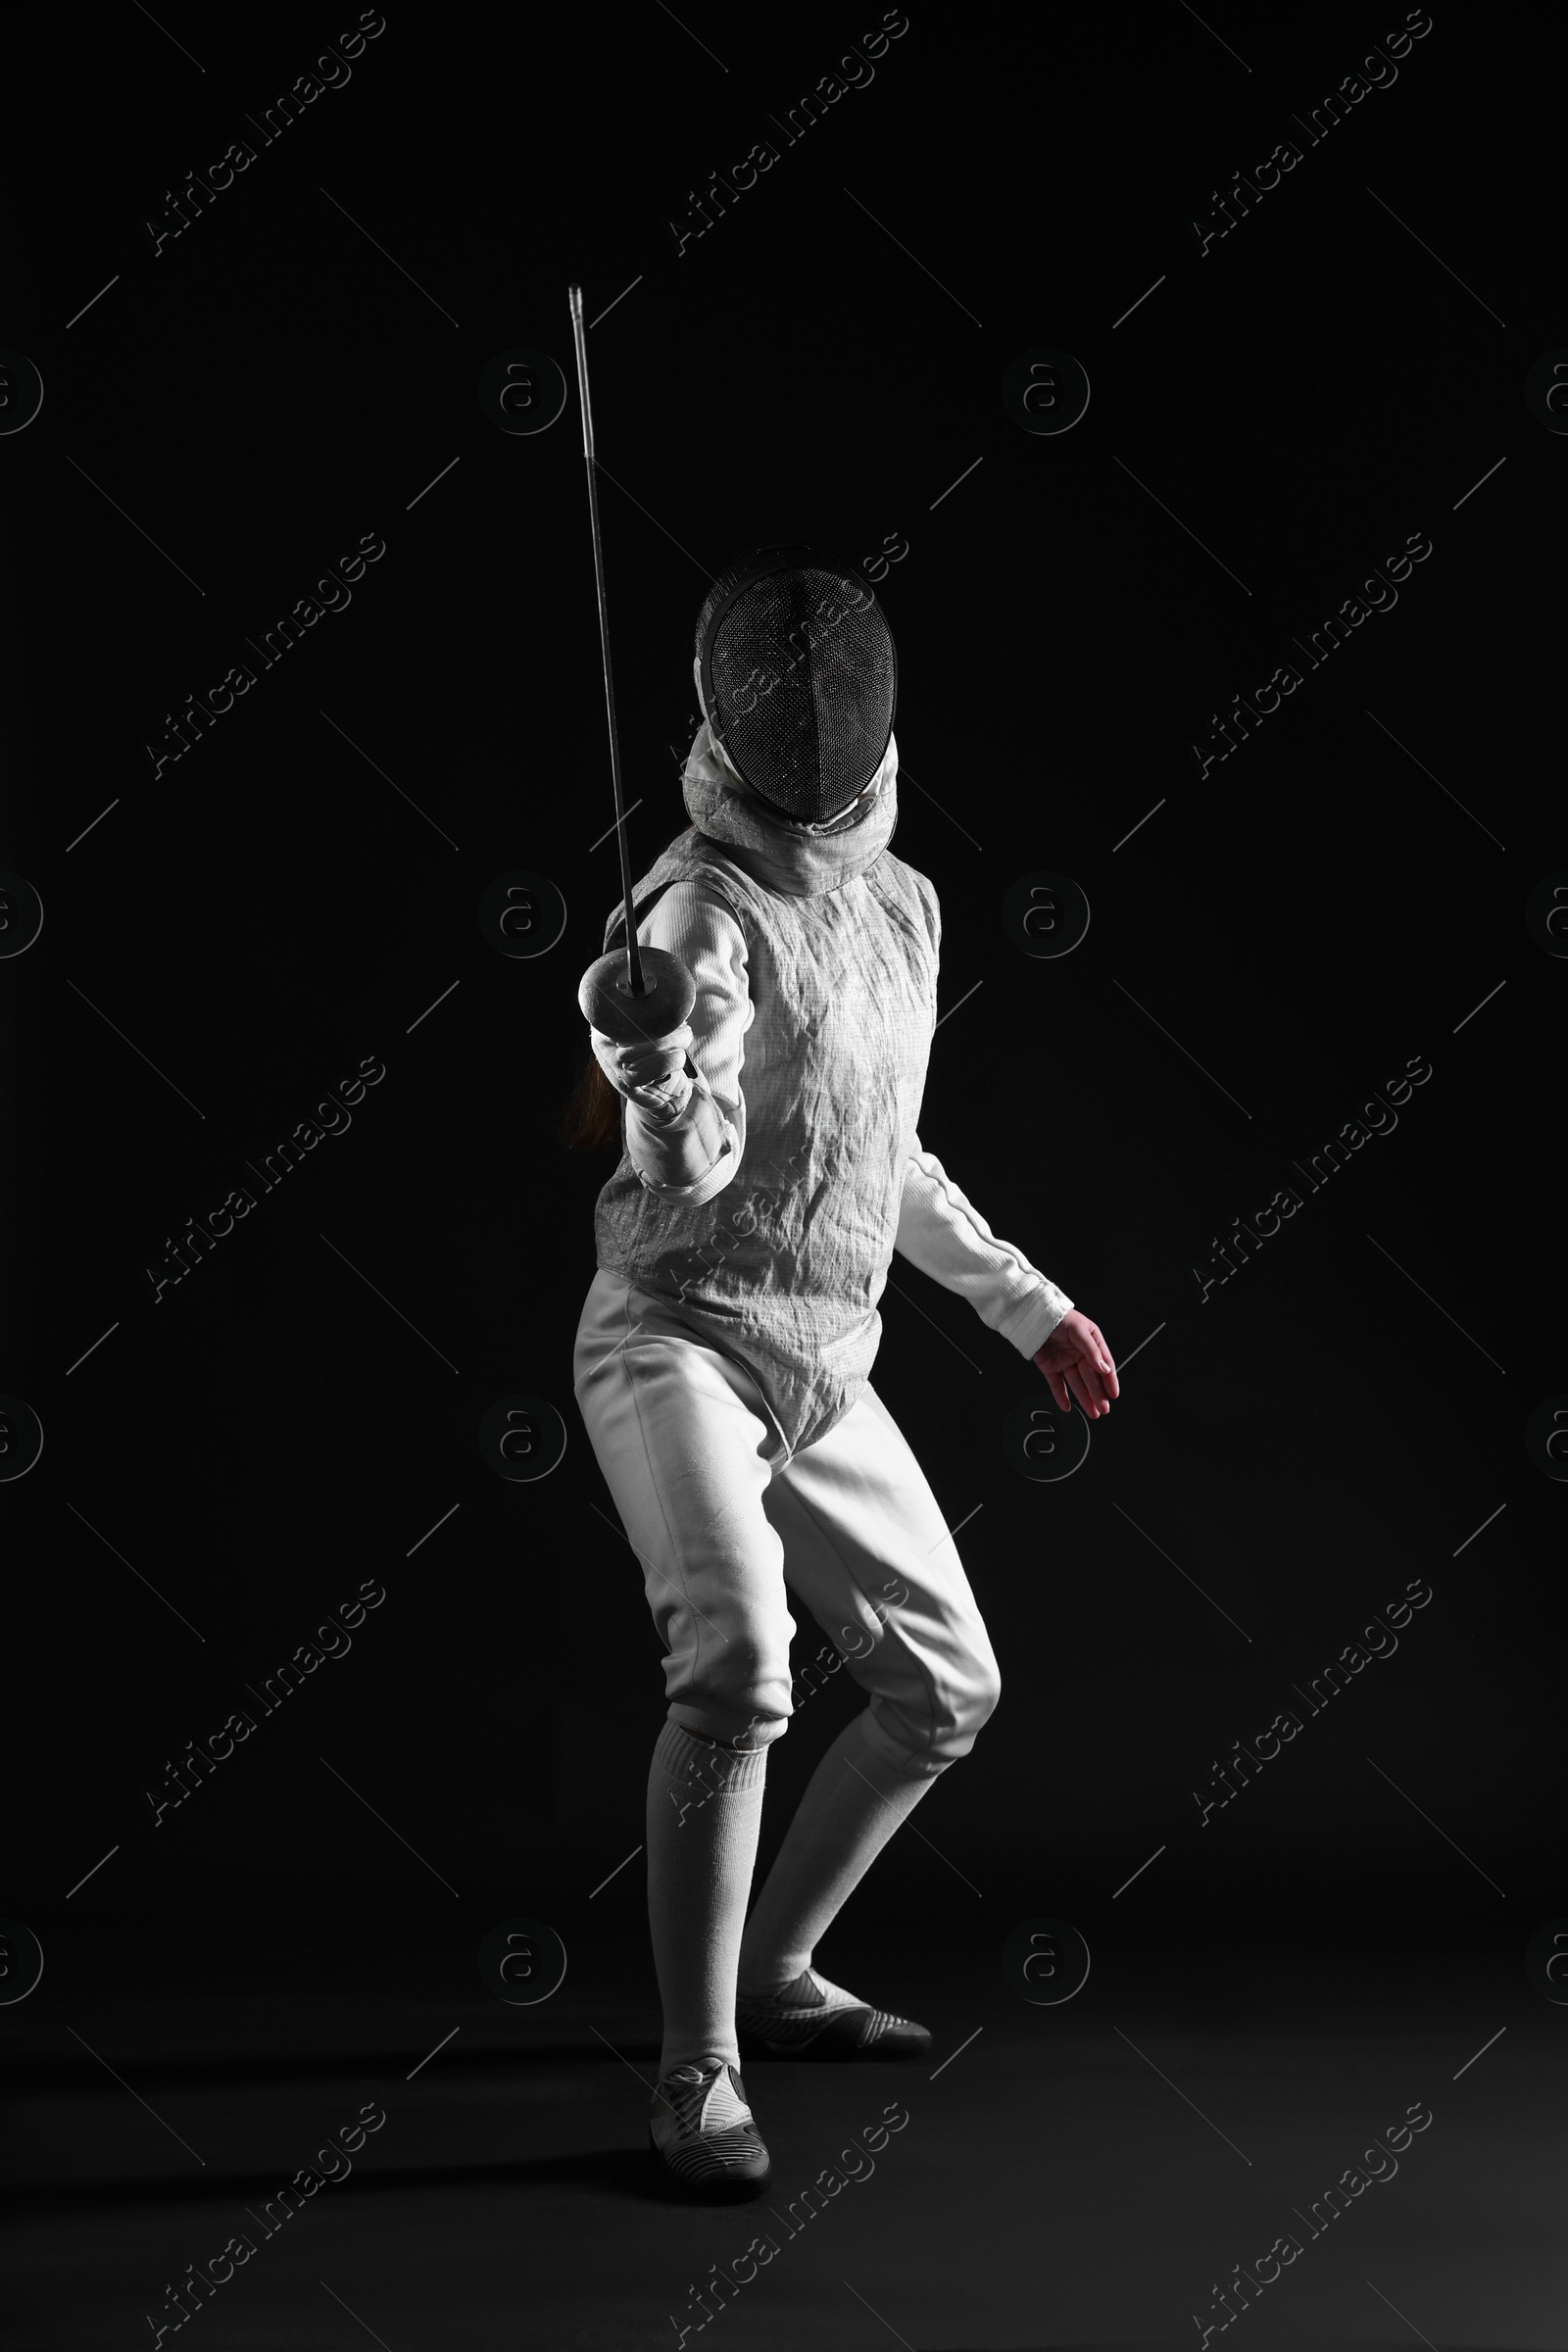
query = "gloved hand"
{"x": 651, "y": 1074}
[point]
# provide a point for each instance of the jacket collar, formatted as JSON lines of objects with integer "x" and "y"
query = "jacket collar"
{"x": 778, "y": 854}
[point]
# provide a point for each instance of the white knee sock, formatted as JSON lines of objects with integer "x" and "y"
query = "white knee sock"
{"x": 853, "y": 1803}
{"x": 705, "y": 1809}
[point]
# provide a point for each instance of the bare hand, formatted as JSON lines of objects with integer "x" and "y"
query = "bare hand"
{"x": 1076, "y": 1359}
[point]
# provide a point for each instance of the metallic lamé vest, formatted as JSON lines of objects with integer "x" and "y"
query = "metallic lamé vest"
{"x": 783, "y": 1269}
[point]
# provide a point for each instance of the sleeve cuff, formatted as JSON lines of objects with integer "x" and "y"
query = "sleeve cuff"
{"x": 716, "y": 1178}
{"x": 1031, "y": 1324}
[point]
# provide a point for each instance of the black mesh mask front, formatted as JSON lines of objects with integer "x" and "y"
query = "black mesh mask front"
{"x": 800, "y": 679}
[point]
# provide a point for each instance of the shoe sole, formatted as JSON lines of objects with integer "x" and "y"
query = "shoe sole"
{"x": 714, "y": 2191}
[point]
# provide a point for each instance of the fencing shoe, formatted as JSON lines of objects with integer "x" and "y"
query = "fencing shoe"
{"x": 815, "y": 2019}
{"x": 705, "y": 2134}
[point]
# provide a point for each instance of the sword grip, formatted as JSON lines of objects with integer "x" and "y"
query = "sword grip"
{"x": 609, "y": 1005}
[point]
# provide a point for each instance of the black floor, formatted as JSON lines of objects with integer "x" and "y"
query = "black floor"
{"x": 1085, "y": 2175}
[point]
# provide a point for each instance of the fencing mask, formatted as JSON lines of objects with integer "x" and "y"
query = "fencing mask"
{"x": 799, "y": 677}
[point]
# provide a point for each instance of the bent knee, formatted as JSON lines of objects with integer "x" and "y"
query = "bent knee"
{"x": 972, "y": 1709}
{"x": 931, "y": 1736}
{"x": 986, "y": 1696}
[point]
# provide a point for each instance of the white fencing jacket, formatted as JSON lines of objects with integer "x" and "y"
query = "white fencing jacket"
{"x": 815, "y": 956}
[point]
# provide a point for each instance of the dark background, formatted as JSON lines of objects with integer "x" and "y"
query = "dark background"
{"x": 269, "y": 911}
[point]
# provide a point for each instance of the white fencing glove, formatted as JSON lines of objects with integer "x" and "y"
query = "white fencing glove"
{"x": 675, "y": 1131}
{"x": 652, "y": 1074}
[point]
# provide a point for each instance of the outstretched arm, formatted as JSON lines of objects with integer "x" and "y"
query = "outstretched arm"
{"x": 685, "y": 1122}
{"x": 943, "y": 1233}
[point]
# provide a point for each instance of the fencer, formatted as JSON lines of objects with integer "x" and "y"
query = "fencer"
{"x": 772, "y": 1165}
